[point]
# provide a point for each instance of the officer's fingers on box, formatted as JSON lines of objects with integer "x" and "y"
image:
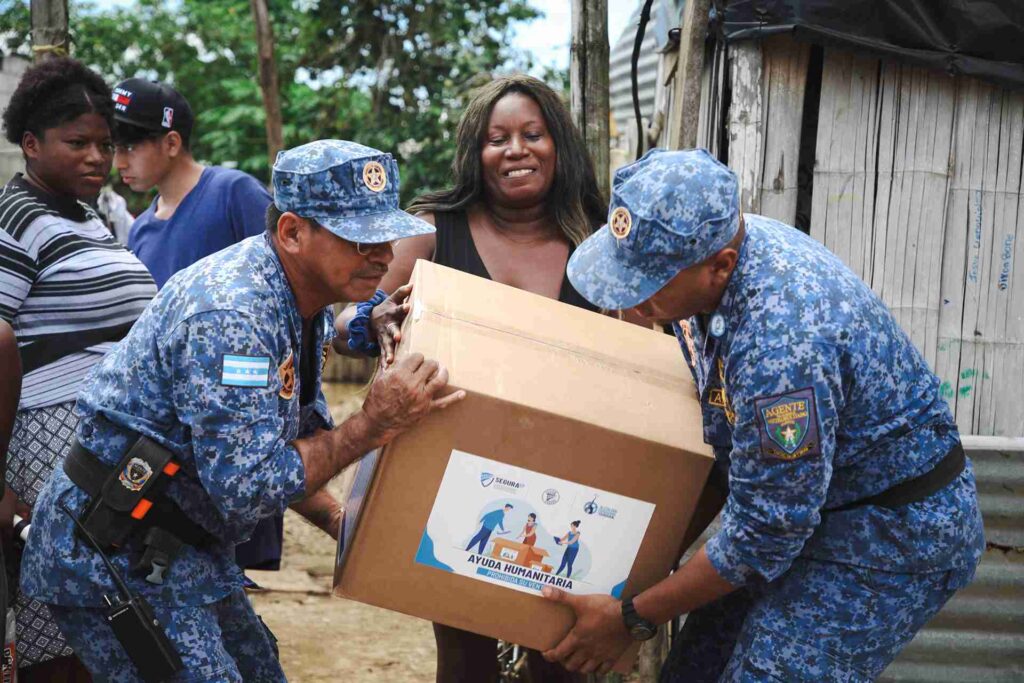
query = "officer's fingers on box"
{"x": 409, "y": 365}
{"x": 427, "y": 371}
{"x": 401, "y": 295}
{"x": 565, "y": 649}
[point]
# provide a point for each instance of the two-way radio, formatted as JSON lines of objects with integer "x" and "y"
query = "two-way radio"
{"x": 134, "y": 624}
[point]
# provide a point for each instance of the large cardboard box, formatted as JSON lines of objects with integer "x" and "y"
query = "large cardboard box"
{"x": 570, "y": 415}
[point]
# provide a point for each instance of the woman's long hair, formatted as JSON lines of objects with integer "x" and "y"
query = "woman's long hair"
{"x": 574, "y": 201}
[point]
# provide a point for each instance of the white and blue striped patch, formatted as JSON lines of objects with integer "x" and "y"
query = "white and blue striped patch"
{"x": 245, "y": 371}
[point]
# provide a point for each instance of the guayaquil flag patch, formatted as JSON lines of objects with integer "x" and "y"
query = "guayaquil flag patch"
{"x": 788, "y": 425}
{"x": 245, "y": 371}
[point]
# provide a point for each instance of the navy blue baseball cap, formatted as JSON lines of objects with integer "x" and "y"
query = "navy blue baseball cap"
{"x": 669, "y": 211}
{"x": 350, "y": 189}
{"x": 145, "y": 108}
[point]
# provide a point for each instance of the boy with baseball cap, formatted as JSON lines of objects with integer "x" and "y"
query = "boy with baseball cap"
{"x": 197, "y": 211}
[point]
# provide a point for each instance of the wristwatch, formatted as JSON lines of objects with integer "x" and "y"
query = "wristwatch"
{"x": 638, "y": 627}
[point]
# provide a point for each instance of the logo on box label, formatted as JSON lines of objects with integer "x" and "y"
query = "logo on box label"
{"x": 592, "y": 508}
{"x": 550, "y": 496}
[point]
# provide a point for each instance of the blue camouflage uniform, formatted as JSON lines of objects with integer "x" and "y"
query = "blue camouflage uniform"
{"x": 813, "y": 398}
{"x": 211, "y": 372}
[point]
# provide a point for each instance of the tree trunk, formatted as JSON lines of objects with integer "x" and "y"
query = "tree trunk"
{"x": 268, "y": 78}
{"x": 682, "y": 129}
{"x": 49, "y": 28}
{"x": 588, "y": 74}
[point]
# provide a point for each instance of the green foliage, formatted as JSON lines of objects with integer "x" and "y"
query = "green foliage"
{"x": 392, "y": 74}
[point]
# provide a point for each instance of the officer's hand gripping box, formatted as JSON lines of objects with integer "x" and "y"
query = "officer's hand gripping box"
{"x": 575, "y": 461}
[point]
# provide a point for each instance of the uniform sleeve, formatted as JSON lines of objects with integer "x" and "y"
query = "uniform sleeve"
{"x": 248, "y": 207}
{"x": 226, "y": 391}
{"x": 786, "y": 401}
{"x": 17, "y": 273}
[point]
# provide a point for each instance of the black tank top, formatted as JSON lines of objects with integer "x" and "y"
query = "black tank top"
{"x": 455, "y": 248}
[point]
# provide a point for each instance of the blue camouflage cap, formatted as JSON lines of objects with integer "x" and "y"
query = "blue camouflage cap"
{"x": 669, "y": 211}
{"x": 350, "y": 189}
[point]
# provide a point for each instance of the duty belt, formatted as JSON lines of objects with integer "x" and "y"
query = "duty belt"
{"x": 918, "y": 488}
{"x": 127, "y": 501}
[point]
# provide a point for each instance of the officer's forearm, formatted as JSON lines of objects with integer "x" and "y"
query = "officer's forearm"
{"x": 326, "y": 453}
{"x": 695, "y": 584}
{"x": 322, "y": 510}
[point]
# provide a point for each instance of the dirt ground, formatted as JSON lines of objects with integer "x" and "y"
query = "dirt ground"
{"x": 323, "y": 638}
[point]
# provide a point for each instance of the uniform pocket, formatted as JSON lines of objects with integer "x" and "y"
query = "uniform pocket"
{"x": 766, "y": 655}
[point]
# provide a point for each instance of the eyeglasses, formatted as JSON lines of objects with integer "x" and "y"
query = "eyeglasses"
{"x": 367, "y": 248}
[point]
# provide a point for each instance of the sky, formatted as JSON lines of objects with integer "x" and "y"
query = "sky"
{"x": 547, "y": 37}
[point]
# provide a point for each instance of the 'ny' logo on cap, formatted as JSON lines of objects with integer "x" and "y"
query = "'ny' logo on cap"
{"x": 374, "y": 176}
{"x": 621, "y": 223}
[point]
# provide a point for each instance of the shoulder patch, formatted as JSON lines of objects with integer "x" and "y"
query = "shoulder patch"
{"x": 286, "y": 373}
{"x": 788, "y": 425}
{"x": 245, "y": 371}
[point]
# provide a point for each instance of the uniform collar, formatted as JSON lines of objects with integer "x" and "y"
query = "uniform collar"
{"x": 273, "y": 272}
{"x": 732, "y": 297}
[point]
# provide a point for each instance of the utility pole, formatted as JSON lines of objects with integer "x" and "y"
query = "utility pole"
{"x": 49, "y": 20}
{"x": 588, "y": 77}
{"x": 268, "y": 78}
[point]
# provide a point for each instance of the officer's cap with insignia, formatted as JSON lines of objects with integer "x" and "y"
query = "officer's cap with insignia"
{"x": 350, "y": 189}
{"x": 669, "y": 211}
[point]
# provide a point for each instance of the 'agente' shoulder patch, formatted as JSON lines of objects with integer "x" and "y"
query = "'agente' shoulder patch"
{"x": 788, "y": 425}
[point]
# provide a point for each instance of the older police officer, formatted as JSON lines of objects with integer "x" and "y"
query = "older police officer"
{"x": 851, "y": 515}
{"x": 211, "y": 410}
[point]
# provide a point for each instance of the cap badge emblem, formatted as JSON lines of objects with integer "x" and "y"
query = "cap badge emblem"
{"x": 168, "y": 119}
{"x": 374, "y": 176}
{"x": 621, "y": 223}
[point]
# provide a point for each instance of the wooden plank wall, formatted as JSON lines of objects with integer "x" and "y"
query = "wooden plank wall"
{"x": 917, "y": 187}
{"x": 768, "y": 80}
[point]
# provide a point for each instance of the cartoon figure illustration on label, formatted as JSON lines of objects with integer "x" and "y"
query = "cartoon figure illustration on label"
{"x": 494, "y": 519}
{"x": 571, "y": 541}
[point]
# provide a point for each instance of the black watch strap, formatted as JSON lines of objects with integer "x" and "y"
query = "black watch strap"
{"x": 638, "y": 627}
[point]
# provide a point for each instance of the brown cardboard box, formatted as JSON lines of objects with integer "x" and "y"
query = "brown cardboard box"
{"x": 553, "y": 389}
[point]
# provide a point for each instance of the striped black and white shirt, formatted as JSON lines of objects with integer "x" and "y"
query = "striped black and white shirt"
{"x": 62, "y": 273}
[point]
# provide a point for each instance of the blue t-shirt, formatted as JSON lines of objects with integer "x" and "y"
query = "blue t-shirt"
{"x": 224, "y": 207}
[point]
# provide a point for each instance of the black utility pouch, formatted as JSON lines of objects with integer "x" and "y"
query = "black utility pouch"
{"x": 109, "y": 516}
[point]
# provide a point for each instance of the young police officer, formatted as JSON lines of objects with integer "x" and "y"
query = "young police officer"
{"x": 221, "y": 375}
{"x": 851, "y": 515}
{"x": 198, "y": 211}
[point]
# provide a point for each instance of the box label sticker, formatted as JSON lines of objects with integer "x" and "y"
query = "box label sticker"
{"x": 525, "y": 530}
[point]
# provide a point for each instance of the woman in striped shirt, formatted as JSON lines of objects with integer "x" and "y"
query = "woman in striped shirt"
{"x": 67, "y": 288}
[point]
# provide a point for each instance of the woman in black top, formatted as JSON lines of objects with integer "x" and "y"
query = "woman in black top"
{"x": 524, "y": 196}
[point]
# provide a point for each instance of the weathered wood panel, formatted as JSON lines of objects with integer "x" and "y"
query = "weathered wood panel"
{"x": 745, "y": 127}
{"x": 917, "y": 187}
{"x": 785, "y": 78}
{"x": 768, "y": 80}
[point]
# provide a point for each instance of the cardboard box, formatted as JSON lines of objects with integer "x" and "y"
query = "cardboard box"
{"x": 572, "y": 415}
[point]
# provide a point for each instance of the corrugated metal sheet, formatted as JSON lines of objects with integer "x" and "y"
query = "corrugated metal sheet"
{"x": 664, "y": 15}
{"x": 979, "y": 636}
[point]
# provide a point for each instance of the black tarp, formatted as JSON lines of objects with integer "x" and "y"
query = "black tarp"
{"x": 979, "y": 38}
